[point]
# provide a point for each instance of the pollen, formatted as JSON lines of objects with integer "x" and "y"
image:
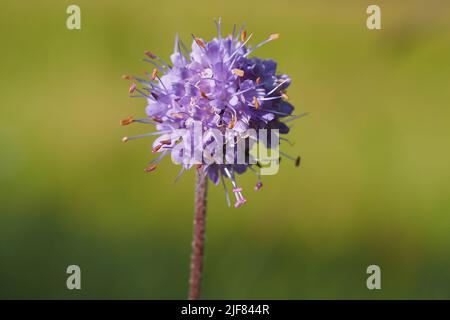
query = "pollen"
{"x": 256, "y": 103}
{"x": 238, "y": 72}
{"x": 274, "y": 36}
{"x": 204, "y": 95}
{"x": 232, "y": 123}
{"x": 244, "y": 36}
{"x": 154, "y": 74}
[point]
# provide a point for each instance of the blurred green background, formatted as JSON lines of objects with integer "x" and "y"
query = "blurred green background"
{"x": 373, "y": 187}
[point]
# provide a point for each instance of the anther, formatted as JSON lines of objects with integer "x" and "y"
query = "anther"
{"x": 127, "y": 77}
{"x": 274, "y": 36}
{"x": 238, "y": 72}
{"x": 176, "y": 115}
{"x": 156, "y": 149}
{"x": 132, "y": 88}
{"x": 258, "y": 186}
{"x": 127, "y": 121}
{"x": 154, "y": 74}
{"x": 284, "y": 96}
{"x": 150, "y": 168}
{"x": 256, "y": 103}
{"x": 232, "y": 123}
{"x": 297, "y": 161}
{"x": 258, "y": 80}
{"x": 150, "y": 54}
{"x": 244, "y": 36}
{"x": 204, "y": 95}
{"x": 124, "y": 139}
{"x": 200, "y": 42}
{"x": 237, "y": 190}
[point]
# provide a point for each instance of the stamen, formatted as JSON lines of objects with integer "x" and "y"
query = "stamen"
{"x": 287, "y": 140}
{"x": 271, "y": 98}
{"x": 256, "y": 103}
{"x": 127, "y": 121}
{"x": 151, "y": 168}
{"x": 132, "y": 88}
{"x": 227, "y": 196}
{"x": 243, "y": 36}
{"x": 175, "y": 46}
{"x": 276, "y": 88}
{"x": 150, "y": 54}
{"x": 296, "y": 117}
{"x": 274, "y": 36}
{"x": 237, "y": 190}
{"x": 243, "y": 91}
{"x": 199, "y": 42}
{"x": 185, "y": 54}
{"x": 159, "y": 158}
{"x": 258, "y": 186}
{"x": 127, "y": 77}
{"x": 166, "y": 142}
{"x": 143, "y": 120}
{"x": 238, "y": 203}
{"x": 239, "y": 32}
{"x": 179, "y": 174}
{"x": 204, "y": 95}
{"x": 238, "y": 72}
{"x": 272, "y": 111}
{"x": 157, "y": 119}
{"x": 125, "y": 139}
{"x": 218, "y": 23}
{"x": 232, "y": 123}
{"x": 156, "y": 149}
{"x": 234, "y": 54}
{"x": 155, "y": 64}
{"x": 284, "y": 96}
{"x": 176, "y": 115}
{"x": 271, "y": 37}
{"x": 154, "y": 74}
{"x": 296, "y": 160}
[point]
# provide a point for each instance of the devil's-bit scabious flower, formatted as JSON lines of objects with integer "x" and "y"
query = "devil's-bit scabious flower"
{"x": 220, "y": 85}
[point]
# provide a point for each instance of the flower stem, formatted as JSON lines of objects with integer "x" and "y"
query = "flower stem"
{"x": 198, "y": 240}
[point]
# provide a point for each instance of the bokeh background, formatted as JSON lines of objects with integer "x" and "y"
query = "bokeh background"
{"x": 373, "y": 187}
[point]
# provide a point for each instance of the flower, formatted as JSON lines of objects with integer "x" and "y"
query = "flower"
{"x": 219, "y": 86}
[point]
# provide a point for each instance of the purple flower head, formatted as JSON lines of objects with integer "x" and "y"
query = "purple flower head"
{"x": 207, "y": 100}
